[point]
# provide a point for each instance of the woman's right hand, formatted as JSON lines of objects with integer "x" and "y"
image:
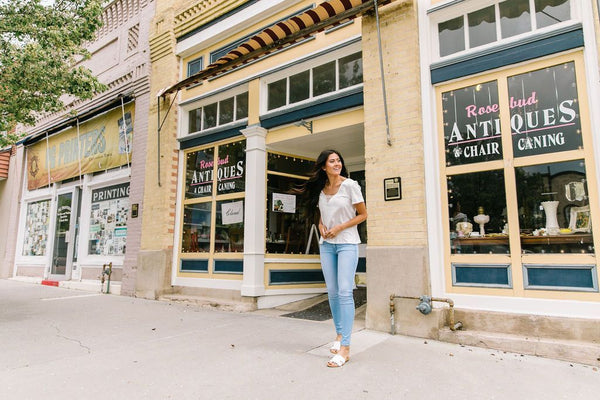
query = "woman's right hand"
{"x": 322, "y": 230}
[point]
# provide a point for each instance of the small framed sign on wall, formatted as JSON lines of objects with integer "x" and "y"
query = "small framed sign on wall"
{"x": 392, "y": 188}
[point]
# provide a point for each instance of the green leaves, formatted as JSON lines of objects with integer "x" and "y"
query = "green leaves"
{"x": 40, "y": 45}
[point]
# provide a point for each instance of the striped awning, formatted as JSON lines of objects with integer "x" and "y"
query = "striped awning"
{"x": 281, "y": 35}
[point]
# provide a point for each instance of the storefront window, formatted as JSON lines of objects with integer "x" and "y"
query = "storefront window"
{"x": 196, "y": 228}
{"x": 510, "y": 212}
{"x": 514, "y": 17}
{"x": 219, "y": 113}
{"x": 544, "y": 111}
{"x": 477, "y": 209}
{"x": 230, "y": 171}
{"x": 199, "y": 173}
{"x": 277, "y": 94}
{"x": 289, "y": 231}
{"x": 108, "y": 220}
{"x": 209, "y": 116}
{"x": 229, "y": 233}
{"x": 213, "y": 222}
{"x": 299, "y": 87}
{"x": 350, "y": 70}
{"x": 472, "y": 124}
{"x": 226, "y": 111}
{"x": 482, "y": 26}
{"x": 451, "y": 36}
{"x": 550, "y": 12}
{"x": 326, "y": 78}
{"x": 36, "y": 228}
{"x": 241, "y": 106}
{"x": 554, "y": 210}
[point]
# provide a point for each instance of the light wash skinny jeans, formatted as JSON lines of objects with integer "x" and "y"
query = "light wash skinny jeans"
{"x": 339, "y": 262}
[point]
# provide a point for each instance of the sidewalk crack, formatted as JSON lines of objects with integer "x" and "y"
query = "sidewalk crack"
{"x": 60, "y": 335}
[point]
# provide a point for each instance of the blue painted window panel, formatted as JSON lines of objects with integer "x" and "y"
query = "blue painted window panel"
{"x": 229, "y": 266}
{"x": 561, "y": 277}
{"x": 482, "y": 275}
{"x": 292, "y": 277}
{"x": 194, "y": 265}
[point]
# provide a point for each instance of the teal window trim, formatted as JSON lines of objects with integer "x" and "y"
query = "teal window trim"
{"x": 504, "y": 55}
{"x": 214, "y": 135}
{"x": 343, "y": 101}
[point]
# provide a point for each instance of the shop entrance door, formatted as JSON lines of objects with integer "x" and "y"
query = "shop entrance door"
{"x": 64, "y": 237}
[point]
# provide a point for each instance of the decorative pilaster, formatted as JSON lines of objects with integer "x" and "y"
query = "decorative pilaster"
{"x": 255, "y": 214}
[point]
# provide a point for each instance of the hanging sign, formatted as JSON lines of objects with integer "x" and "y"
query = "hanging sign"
{"x": 232, "y": 213}
{"x": 285, "y": 203}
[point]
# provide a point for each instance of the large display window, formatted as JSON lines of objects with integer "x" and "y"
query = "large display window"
{"x": 519, "y": 180}
{"x": 289, "y": 231}
{"x": 108, "y": 221}
{"x": 37, "y": 222}
{"x": 212, "y": 228}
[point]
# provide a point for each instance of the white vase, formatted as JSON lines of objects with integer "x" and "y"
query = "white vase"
{"x": 481, "y": 219}
{"x": 550, "y": 208}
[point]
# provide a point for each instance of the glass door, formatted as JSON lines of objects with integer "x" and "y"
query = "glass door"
{"x": 64, "y": 238}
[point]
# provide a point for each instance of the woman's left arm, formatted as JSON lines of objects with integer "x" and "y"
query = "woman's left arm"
{"x": 361, "y": 215}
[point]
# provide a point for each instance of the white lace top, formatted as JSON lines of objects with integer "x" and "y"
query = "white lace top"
{"x": 339, "y": 208}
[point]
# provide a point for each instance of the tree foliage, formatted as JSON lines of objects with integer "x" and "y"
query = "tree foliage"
{"x": 41, "y": 43}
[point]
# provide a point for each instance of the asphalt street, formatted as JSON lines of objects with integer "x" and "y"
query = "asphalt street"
{"x": 58, "y": 343}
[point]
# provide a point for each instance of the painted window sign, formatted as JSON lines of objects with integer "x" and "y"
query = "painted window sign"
{"x": 544, "y": 111}
{"x": 472, "y": 124}
{"x": 229, "y": 176}
{"x": 199, "y": 173}
{"x": 108, "y": 220}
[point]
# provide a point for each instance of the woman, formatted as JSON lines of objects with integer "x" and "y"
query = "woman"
{"x": 342, "y": 208}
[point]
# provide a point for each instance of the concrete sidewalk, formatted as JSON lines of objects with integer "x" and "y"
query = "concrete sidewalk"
{"x": 57, "y": 343}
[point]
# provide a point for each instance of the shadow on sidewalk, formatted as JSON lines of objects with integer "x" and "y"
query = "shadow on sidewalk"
{"x": 321, "y": 311}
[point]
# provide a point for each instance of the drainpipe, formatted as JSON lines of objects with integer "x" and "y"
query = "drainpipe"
{"x": 425, "y": 307}
{"x": 382, "y": 71}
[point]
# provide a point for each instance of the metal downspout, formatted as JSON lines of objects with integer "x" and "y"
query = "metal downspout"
{"x": 385, "y": 108}
{"x": 158, "y": 139}
{"x": 160, "y": 125}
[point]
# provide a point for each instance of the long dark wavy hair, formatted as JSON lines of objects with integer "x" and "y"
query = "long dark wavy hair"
{"x": 311, "y": 189}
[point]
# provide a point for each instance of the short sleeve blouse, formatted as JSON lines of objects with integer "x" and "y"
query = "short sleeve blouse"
{"x": 339, "y": 208}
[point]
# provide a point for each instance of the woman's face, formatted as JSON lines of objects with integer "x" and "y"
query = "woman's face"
{"x": 333, "y": 165}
